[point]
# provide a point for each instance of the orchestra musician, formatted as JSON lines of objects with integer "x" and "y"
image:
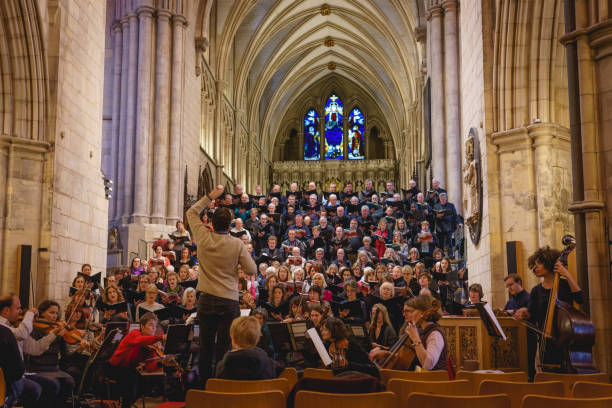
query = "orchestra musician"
{"x": 345, "y": 352}
{"x": 47, "y": 363}
{"x": 33, "y": 390}
{"x": 131, "y": 352}
{"x": 545, "y": 263}
{"x": 382, "y": 334}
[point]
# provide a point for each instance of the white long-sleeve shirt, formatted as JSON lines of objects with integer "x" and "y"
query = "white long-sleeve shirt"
{"x": 25, "y": 342}
{"x": 434, "y": 346}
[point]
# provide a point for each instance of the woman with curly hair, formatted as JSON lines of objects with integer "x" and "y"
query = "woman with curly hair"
{"x": 545, "y": 264}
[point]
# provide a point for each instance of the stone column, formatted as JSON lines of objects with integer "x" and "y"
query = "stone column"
{"x": 128, "y": 187}
{"x": 219, "y": 127}
{"x": 116, "y": 120}
{"x": 437, "y": 95}
{"x": 301, "y": 144}
{"x": 121, "y": 165}
{"x": 451, "y": 102}
{"x": 140, "y": 214}
{"x": 176, "y": 128}
{"x": 162, "y": 110}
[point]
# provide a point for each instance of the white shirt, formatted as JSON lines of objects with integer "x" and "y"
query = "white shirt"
{"x": 433, "y": 346}
{"x": 22, "y": 334}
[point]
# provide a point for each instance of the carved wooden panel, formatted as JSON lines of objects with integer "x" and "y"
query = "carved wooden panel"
{"x": 451, "y": 341}
{"x": 468, "y": 344}
{"x": 507, "y": 357}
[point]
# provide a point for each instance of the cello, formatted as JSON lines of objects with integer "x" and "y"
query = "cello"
{"x": 567, "y": 331}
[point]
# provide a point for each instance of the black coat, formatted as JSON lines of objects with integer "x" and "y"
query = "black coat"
{"x": 246, "y": 364}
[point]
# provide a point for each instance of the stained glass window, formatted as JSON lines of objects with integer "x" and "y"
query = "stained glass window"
{"x": 334, "y": 136}
{"x": 312, "y": 136}
{"x": 356, "y": 137}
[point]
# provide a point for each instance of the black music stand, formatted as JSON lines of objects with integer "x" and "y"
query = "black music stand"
{"x": 493, "y": 327}
{"x": 103, "y": 354}
{"x": 177, "y": 339}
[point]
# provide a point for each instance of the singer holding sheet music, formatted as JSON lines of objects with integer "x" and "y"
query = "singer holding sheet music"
{"x": 219, "y": 255}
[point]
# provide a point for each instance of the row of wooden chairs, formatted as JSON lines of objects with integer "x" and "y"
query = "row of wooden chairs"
{"x": 387, "y": 399}
{"x": 469, "y": 388}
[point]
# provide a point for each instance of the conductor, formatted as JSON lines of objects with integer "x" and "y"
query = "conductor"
{"x": 219, "y": 255}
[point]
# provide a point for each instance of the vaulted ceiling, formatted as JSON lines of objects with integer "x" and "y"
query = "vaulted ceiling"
{"x": 272, "y": 51}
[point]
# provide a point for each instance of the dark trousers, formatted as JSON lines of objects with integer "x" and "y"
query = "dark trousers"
{"x": 532, "y": 348}
{"x": 128, "y": 383}
{"x": 35, "y": 391}
{"x": 215, "y": 315}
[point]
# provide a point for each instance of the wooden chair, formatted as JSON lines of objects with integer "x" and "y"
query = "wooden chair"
{"x": 584, "y": 389}
{"x": 276, "y": 384}
{"x": 517, "y": 390}
{"x": 422, "y": 400}
{"x": 260, "y": 399}
{"x": 317, "y": 373}
{"x": 539, "y": 401}
{"x": 310, "y": 399}
{"x": 386, "y": 375}
{"x": 2, "y": 388}
{"x": 570, "y": 379}
{"x": 291, "y": 375}
{"x": 403, "y": 388}
{"x": 476, "y": 378}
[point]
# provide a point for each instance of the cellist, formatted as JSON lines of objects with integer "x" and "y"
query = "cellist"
{"x": 545, "y": 264}
{"x": 423, "y": 335}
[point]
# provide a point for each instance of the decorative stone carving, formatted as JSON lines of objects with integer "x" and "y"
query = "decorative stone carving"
{"x": 329, "y": 42}
{"x": 113, "y": 238}
{"x": 472, "y": 177}
{"x": 325, "y": 10}
{"x": 331, "y": 66}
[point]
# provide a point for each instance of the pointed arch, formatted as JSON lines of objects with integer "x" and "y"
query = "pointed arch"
{"x": 312, "y": 136}
{"x": 356, "y": 135}
{"x": 334, "y": 128}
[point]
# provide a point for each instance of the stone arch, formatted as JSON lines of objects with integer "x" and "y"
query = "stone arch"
{"x": 205, "y": 182}
{"x": 23, "y": 71}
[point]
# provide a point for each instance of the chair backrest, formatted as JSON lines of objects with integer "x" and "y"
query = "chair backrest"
{"x": 422, "y": 400}
{"x": 584, "y": 389}
{"x": 317, "y": 373}
{"x": 386, "y": 375}
{"x": 259, "y": 399}
{"x": 291, "y": 375}
{"x": 517, "y": 390}
{"x": 570, "y": 379}
{"x": 477, "y": 377}
{"x": 310, "y": 399}
{"x": 219, "y": 385}
{"x": 403, "y": 388}
{"x": 539, "y": 401}
{"x": 2, "y": 388}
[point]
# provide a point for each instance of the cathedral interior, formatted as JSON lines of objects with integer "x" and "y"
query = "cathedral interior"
{"x": 117, "y": 115}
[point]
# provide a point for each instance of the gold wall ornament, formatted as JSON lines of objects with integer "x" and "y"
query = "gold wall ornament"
{"x": 331, "y": 66}
{"x": 325, "y": 10}
{"x": 329, "y": 42}
{"x": 472, "y": 177}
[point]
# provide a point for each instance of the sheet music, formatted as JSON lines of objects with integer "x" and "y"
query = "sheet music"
{"x": 245, "y": 312}
{"x": 319, "y": 346}
{"x": 487, "y": 307}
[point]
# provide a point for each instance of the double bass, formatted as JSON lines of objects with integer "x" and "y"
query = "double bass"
{"x": 567, "y": 332}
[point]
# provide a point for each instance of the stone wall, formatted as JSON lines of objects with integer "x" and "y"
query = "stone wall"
{"x": 80, "y": 209}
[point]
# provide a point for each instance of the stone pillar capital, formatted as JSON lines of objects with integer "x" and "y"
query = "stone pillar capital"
{"x": 125, "y": 21}
{"x": 450, "y": 5}
{"x": 221, "y": 85}
{"x": 421, "y": 33}
{"x": 435, "y": 11}
{"x": 163, "y": 14}
{"x": 179, "y": 19}
{"x": 117, "y": 26}
{"x": 145, "y": 11}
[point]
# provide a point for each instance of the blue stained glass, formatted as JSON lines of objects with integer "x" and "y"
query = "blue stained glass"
{"x": 312, "y": 136}
{"x": 356, "y": 137}
{"x": 334, "y": 136}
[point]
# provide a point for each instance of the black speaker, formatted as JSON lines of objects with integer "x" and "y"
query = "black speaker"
{"x": 514, "y": 257}
{"x": 24, "y": 263}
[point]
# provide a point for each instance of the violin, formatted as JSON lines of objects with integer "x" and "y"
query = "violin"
{"x": 168, "y": 360}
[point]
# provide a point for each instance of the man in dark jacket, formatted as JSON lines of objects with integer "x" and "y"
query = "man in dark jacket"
{"x": 446, "y": 221}
{"x": 246, "y": 361}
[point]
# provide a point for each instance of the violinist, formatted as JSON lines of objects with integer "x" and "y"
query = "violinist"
{"x": 79, "y": 343}
{"x": 47, "y": 363}
{"x": 132, "y": 351}
{"x": 545, "y": 263}
{"x": 81, "y": 296}
{"x": 345, "y": 352}
{"x": 31, "y": 389}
